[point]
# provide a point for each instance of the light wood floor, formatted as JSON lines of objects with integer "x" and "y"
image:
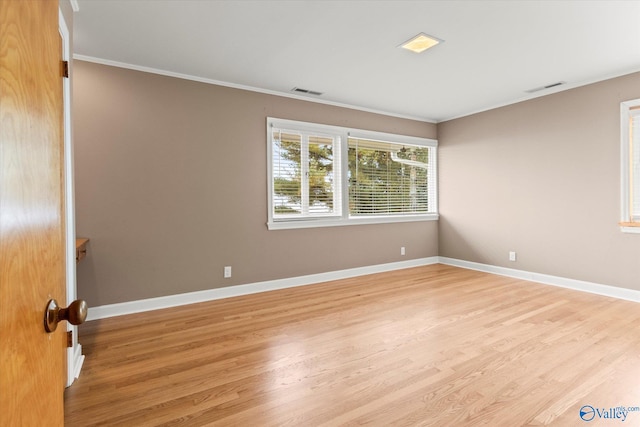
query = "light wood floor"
{"x": 433, "y": 345}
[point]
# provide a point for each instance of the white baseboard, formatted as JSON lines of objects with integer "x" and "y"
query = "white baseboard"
{"x": 119, "y": 309}
{"x": 74, "y": 363}
{"x": 578, "y": 285}
{"x": 131, "y": 307}
{"x": 79, "y": 362}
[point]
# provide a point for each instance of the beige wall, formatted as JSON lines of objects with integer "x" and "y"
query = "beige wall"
{"x": 67, "y": 12}
{"x": 542, "y": 178}
{"x": 171, "y": 187}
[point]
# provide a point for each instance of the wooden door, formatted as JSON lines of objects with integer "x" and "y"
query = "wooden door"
{"x": 32, "y": 235}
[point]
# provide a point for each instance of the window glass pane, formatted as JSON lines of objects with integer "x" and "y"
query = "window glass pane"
{"x": 320, "y": 173}
{"x": 387, "y": 178}
{"x": 287, "y": 194}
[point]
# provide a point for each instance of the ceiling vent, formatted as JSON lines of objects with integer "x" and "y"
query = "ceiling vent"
{"x": 306, "y": 91}
{"x": 538, "y": 89}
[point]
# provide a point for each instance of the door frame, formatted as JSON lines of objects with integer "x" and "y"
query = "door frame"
{"x": 74, "y": 355}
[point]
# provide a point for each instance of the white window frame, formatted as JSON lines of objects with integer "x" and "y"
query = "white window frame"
{"x": 342, "y": 162}
{"x": 306, "y": 130}
{"x": 627, "y": 110}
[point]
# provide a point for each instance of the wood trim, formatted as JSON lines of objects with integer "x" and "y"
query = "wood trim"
{"x": 81, "y": 249}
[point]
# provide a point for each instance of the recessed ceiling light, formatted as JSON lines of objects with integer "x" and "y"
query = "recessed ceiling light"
{"x": 420, "y": 43}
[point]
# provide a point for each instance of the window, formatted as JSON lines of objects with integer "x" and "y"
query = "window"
{"x": 323, "y": 175}
{"x": 630, "y": 165}
{"x": 389, "y": 179}
{"x": 304, "y": 176}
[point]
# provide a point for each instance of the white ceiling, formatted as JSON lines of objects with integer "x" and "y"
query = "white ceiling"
{"x": 493, "y": 52}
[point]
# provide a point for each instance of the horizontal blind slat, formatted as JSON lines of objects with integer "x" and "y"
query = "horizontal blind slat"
{"x": 381, "y": 184}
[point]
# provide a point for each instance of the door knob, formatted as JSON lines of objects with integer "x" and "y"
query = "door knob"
{"x": 75, "y": 314}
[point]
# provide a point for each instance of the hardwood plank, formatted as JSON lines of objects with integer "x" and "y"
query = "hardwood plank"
{"x": 435, "y": 345}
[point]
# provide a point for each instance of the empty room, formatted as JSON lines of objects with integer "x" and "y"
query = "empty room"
{"x": 320, "y": 213}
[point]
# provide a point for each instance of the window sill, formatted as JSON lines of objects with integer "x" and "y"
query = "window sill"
{"x": 338, "y": 222}
{"x": 630, "y": 228}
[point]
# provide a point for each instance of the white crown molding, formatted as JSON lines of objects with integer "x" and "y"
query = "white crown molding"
{"x": 242, "y": 87}
{"x": 131, "y": 307}
{"x": 540, "y": 94}
{"x": 562, "y": 282}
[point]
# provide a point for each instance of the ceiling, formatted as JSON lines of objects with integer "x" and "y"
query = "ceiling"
{"x": 493, "y": 51}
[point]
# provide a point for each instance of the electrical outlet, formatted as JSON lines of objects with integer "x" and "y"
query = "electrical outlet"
{"x": 227, "y": 271}
{"x": 402, "y": 251}
{"x": 512, "y": 256}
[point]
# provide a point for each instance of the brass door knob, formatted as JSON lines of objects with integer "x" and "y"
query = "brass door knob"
{"x": 75, "y": 314}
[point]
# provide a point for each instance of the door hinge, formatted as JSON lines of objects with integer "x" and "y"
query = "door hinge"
{"x": 69, "y": 338}
{"x": 65, "y": 68}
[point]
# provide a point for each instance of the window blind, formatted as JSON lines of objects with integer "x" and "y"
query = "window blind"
{"x": 388, "y": 178}
{"x": 303, "y": 173}
{"x": 287, "y": 178}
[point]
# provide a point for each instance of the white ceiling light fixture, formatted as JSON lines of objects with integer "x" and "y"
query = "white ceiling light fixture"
{"x": 420, "y": 43}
